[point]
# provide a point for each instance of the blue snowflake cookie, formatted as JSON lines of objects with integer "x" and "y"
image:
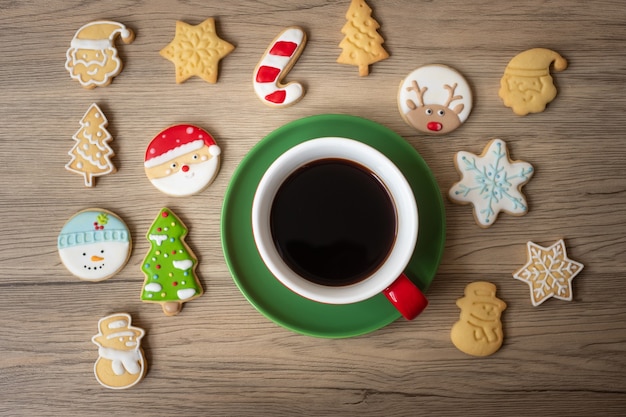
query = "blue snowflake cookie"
{"x": 491, "y": 182}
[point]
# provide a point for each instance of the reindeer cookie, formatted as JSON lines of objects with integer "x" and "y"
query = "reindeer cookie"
{"x": 435, "y": 99}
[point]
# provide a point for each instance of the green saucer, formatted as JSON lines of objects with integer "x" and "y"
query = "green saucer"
{"x": 265, "y": 292}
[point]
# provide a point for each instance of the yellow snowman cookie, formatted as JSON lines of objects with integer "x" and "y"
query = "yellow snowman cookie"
{"x": 479, "y": 329}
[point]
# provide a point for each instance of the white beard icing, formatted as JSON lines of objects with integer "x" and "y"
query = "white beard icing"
{"x": 191, "y": 182}
{"x": 115, "y": 255}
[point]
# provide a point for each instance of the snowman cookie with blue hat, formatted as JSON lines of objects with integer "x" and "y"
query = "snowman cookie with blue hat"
{"x": 94, "y": 244}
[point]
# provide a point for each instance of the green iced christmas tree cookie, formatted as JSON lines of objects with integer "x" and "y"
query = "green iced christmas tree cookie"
{"x": 170, "y": 265}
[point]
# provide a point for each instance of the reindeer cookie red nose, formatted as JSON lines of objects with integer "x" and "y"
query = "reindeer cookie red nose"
{"x": 435, "y": 99}
{"x": 434, "y": 126}
{"x": 185, "y": 168}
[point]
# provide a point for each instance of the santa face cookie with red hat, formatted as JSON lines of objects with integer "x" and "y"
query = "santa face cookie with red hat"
{"x": 92, "y": 58}
{"x": 182, "y": 160}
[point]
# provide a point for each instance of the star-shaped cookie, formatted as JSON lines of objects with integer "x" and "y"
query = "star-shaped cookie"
{"x": 196, "y": 50}
{"x": 491, "y": 182}
{"x": 549, "y": 272}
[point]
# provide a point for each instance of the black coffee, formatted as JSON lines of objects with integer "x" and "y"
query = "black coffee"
{"x": 333, "y": 222}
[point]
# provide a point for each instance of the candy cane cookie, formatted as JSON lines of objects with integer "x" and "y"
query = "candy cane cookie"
{"x": 276, "y": 62}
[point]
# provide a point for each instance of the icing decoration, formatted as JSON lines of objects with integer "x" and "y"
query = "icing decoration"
{"x": 158, "y": 239}
{"x": 548, "y": 272}
{"x": 435, "y": 99}
{"x": 196, "y": 50}
{"x": 92, "y": 58}
{"x": 91, "y": 155}
{"x": 121, "y": 362}
{"x": 491, "y": 182}
{"x": 166, "y": 282}
{"x": 479, "y": 329}
{"x": 362, "y": 45}
{"x": 94, "y": 244}
{"x": 182, "y": 160}
{"x": 526, "y": 85}
{"x": 276, "y": 62}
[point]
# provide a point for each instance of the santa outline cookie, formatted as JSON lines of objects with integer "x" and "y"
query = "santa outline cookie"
{"x": 182, "y": 160}
{"x": 527, "y": 86}
{"x": 92, "y": 58}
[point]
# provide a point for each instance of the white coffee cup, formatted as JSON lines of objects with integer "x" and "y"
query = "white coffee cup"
{"x": 388, "y": 278}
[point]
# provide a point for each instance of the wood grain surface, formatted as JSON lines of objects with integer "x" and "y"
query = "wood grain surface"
{"x": 222, "y": 357}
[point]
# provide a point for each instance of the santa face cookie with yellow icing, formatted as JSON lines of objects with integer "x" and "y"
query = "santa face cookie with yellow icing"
{"x": 182, "y": 160}
{"x": 92, "y": 58}
{"x": 435, "y": 99}
{"x": 526, "y": 85}
{"x": 94, "y": 244}
{"x": 121, "y": 362}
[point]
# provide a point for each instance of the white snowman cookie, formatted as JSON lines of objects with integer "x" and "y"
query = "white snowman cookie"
{"x": 182, "y": 160}
{"x": 94, "y": 244}
{"x": 435, "y": 99}
{"x": 121, "y": 362}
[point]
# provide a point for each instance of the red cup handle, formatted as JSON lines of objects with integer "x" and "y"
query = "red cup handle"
{"x": 406, "y": 297}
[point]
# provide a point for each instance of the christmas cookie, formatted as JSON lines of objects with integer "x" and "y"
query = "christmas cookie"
{"x": 548, "y": 272}
{"x": 121, "y": 362}
{"x": 92, "y": 59}
{"x": 170, "y": 265}
{"x": 479, "y": 329}
{"x": 94, "y": 244}
{"x": 196, "y": 50}
{"x": 182, "y": 160}
{"x": 362, "y": 45}
{"x": 526, "y": 85}
{"x": 276, "y": 62}
{"x": 491, "y": 182}
{"x": 435, "y": 99}
{"x": 91, "y": 155}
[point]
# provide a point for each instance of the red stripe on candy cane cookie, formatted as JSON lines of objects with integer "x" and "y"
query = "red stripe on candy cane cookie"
{"x": 283, "y": 48}
{"x": 275, "y": 63}
{"x": 267, "y": 74}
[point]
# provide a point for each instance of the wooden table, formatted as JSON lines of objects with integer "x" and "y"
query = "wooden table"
{"x": 222, "y": 357}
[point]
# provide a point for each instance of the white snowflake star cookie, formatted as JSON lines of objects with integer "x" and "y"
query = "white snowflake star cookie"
{"x": 549, "y": 272}
{"x": 491, "y": 182}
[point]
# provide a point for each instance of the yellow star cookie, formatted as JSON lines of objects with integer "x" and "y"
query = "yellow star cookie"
{"x": 549, "y": 272}
{"x": 196, "y": 50}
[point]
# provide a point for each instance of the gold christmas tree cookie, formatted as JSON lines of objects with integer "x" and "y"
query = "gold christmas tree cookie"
{"x": 196, "y": 50}
{"x": 362, "y": 44}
